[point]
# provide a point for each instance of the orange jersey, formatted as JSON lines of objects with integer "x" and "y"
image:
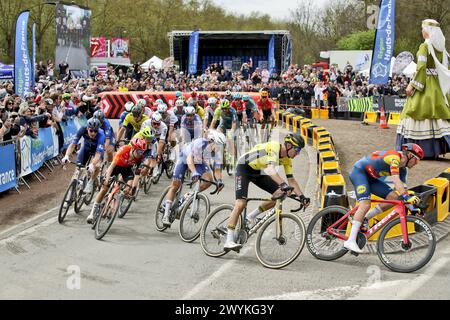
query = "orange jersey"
{"x": 122, "y": 157}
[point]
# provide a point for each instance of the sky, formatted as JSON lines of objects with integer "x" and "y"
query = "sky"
{"x": 278, "y": 9}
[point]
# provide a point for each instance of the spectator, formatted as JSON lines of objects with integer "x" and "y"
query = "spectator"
{"x": 63, "y": 70}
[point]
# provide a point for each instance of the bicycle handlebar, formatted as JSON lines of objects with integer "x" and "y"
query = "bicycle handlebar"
{"x": 216, "y": 190}
{"x": 302, "y": 206}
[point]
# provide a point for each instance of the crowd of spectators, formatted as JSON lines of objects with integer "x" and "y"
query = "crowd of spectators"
{"x": 55, "y": 99}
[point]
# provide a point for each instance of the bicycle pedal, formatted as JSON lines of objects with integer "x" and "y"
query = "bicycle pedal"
{"x": 354, "y": 253}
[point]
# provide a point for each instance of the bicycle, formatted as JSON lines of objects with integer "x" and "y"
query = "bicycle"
{"x": 251, "y": 131}
{"x": 107, "y": 211}
{"x": 75, "y": 192}
{"x": 214, "y": 231}
{"x": 166, "y": 164}
{"x": 229, "y": 159}
{"x": 129, "y": 199}
{"x": 327, "y": 231}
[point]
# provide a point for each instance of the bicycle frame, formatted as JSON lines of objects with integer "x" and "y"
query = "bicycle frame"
{"x": 275, "y": 210}
{"x": 398, "y": 210}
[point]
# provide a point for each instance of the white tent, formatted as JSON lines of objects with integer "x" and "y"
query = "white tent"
{"x": 410, "y": 69}
{"x": 154, "y": 61}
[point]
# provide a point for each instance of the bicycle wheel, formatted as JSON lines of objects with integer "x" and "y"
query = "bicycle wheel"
{"x": 79, "y": 194}
{"x": 125, "y": 205}
{"x": 160, "y": 211}
{"x": 406, "y": 258}
{"x": 214, "y": 230}
{"x": 170, "y": 163}
{"x": 277, "y": 253}
{"x": 67, "y": 201}
{"x": 147, "y": 184}
{"x": 160, "y": 172}
{"x": 191, "y": 222}
{"x": 320, "y": 243}
{"x": 89, "y": 196}
{"x": 107, "y": 216}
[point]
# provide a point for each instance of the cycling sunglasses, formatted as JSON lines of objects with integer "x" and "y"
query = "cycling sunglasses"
{"x": 92, "y": 130}
{"x": 157, "y": 124}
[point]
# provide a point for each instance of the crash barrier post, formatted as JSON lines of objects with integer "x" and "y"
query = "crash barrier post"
{"x": 394, "y": 118}
{"x": 324, "y": 114}
{"x": 326, "y": 156}
{"x": 296, "y": 123}
{"x": 370, "y": 117}
{"x": 442, "y": 186}
{"x": 328, "y": 167}
{"x": 305, "y": 132}
{"x": 314, "y": 113}
{"x": 320, "y": 135}
{"x": 289, "y": 116}
{"x": 333, "y": 191}
{"x": 315, "y": 131}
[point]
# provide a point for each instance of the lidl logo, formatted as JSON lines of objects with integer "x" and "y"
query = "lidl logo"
{"x": 361, "y": 189}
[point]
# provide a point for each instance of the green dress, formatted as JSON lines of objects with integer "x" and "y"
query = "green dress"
{"x": 427, "y": 101}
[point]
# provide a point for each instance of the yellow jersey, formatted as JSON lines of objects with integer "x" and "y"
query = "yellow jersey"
{"x": 129, "y": 119}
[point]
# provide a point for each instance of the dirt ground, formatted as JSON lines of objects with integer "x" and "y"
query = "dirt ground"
{"x": 354, "y": 140}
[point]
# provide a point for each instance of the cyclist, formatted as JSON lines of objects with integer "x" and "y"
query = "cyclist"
{"x": 94, "y": 146}
{"x": 196, "y": 156}
{"x": 143, "y": 104}
{"x": 209, "y": 113}
{"x": 266, "y": 107}
{"x": 365, "y": 176}
{"x": 259, "y": 166}
{"x": 239, "y": 106}
{"x": 133, "y": 121}
{"x": 178, "y": 95}
{"x": 198, "y": 109}
{"x": 110, "y": 137}
{"x": 228, "y": 95}
{"x": 191, "y": 126}
{"x": 128, "y": 107}
{"x": 124, "y": 160}
{"x": 228, "y": 121}
{"x": 251, "y": 108}
{"x": 158, "y": 130}
{"x": 179, "y": 112}
{"x": 149, "y": 102}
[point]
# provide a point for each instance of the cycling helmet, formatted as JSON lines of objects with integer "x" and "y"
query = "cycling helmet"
{"x": 179, "y": 103}
{"x": 99, "y": 115}
{"x": 136, "y": 111}
{"x": 246, "y": 97}
{"x": 415, "y": 149}
{"x": 66, "y": 96}
{"x": 217, "y": 137}
{"x": 264, "y": 94}
{"x": 129, "y": 106}
{"x": 189, "y": 111}
{"x": 159, "y": 101}
{"x": 141, "y": 103}
{"x": 191, "y": 102}
{"x": 295, "y": 139}
{"x": 147, "y": 133}
{"x": 139, "y": 143}
{"x": 178, "y": 94}
{"x": 156, "y": 117}
{"x": 224, "y": 103}
{"x": 194, "y": 94}
{"x": 228, "y": 93}
{"x": 212, "y": 101}
{"x": 214, "y": 95}
{"x": 93, "y": 123}
{"x": 238, "y": 96}
{"x": 162, "y": 108}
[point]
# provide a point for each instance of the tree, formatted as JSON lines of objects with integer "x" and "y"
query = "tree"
{"x": 362, "y": 40}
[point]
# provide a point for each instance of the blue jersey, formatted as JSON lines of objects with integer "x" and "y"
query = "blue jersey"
{"x": 109, "y": 132}
{"x": 97, "y": 144}
{"x": 193, "y": 126}
{"x": 122, "y": 118}
{"x": 197, "y": 149}
{"x": 250, "y": 108}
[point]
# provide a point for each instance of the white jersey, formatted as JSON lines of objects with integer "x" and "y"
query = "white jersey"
{"x": 170, "y": 119}
{"x": 159, "y": 133}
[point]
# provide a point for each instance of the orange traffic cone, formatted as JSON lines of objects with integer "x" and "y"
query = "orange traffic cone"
{"x": 383, "y": 124}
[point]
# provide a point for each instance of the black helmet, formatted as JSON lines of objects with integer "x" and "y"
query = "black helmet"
{"x": 93, "y": 123}
{"x": 136, "y": 111}
{"x": 295, "y": 139}
{"x": 99, "y": 115}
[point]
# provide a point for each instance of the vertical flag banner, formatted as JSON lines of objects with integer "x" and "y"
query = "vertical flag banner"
{"x": 22, "y": 64}
{"x": 384, "y": 43}
{"x": 33, "y": 59}
{"x": 98, "y": 47}
{"x": 272, "y": 55}
{"x": 288, "y": 55}
{"x": 193, "y": 52}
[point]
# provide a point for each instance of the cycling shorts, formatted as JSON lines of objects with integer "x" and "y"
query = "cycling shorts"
{"x": 181, "y": 168}
{"x": 126, "y": 173}
{"x": 246, "y": 174}
{"x": 239, "y": 117}
{"x": 266, "y": 115}
{"x": 85, "y": 154}
{"x": 366, "y": 185}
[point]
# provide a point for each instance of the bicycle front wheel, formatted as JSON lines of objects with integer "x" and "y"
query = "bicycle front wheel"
{"x": 125, "y": 206}
{"x": 320, "y": 243}
{"x": 401, "y": 257}
{"x": 89, "y": 196}
{"x": 106, "y": 218}
{"x": 160, "y": 209}
{"x": 276, "y": 249}
{"x": 191, "y": 221}
{"x": 79, "y": 195}
{"x": 147, "y": 184}
{"x": 67, "y": 201}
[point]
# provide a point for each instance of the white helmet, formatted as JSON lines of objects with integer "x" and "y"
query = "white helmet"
{"x": 179, "y": 103}
{"x": 217, "y": 137}
{"x": 129, "y": 106}
{"x": 141, "y": 103}
{"x": 212, "y": 101}
{"x": 189, "y": 110}
{"x": 159, "y": 101}
{"x": 156, "y": 117}
{"x": 162, "y": 108}
{"x": 228, "y": 93}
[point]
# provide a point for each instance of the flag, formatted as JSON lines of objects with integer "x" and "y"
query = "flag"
{"x": 22, "y": 64}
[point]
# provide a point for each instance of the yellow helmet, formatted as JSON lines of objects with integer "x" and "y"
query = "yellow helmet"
{"x": 224, "y": 103}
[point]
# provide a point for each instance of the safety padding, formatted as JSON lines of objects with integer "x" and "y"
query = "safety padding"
{"x": 304, "y": 131}
{"x": 328, "y": 167}
{"x": 304, "y": 121}
{"x": 428, "y": 194}
{"x": 319, "y": 136}
{"x": 332, "y": 184}
{"x": 326, "y": 156}
{"x": 314, "y": 113}
{"x": 288, "y": 119}
{"x": 325, "y": 147}
{"x": 323, "y": 114}
{"x": 442, "y": 186}
{"x": 314, "y": 133}
{"x": 370, "y": 117}
{"x": 394, "y": 118}
{"x": 310, "y": 131}
{"x": 326, "y": 140}
{"x": 296, "y": 123}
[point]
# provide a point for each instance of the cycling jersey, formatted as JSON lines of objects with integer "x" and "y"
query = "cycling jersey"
{"x": 122, "y": 118}
{"x": 170, "y": 119}
{"x": 367, "y": 173}
{"x": 226, "y": 119}
{"x": 179, "y": 114}
{"x": 130, "y": 120}
{"x": 159, "y": 133}
{"x": 250, "y": 108}
{"x": 265, "y": 105}
{"x": 122, "y": 157}
{"x": 109, "y": 132}
{"x": 238, "y": 105}
{"x": 191, "y": 128}
{"x": 90, "y": 146}
{"x": 209, "y": 115}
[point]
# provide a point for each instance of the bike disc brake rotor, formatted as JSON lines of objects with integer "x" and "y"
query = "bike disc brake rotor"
{"x": 242, "y": 237}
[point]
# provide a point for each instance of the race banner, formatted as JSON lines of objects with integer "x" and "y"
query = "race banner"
{"x": 120, "y": 48}
{"x": 288, "y": 55}
{"x": 70, "y": 129}
{"x": 25, "y": 156}
{"x": 7, "y": 168}
{"x": 73, "y": 33}
{"x": 384, "y": 43}
{"x": 272, "y": 55}
{"x": 33, "y": 58}
{"x": 6, "y": 72}
{"x": 22, "y": 63}
{"x": 193, "y": 52}
{"x": 98, "y": 47}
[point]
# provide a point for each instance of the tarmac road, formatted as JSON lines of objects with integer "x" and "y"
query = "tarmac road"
{"x": 134, "y": 261}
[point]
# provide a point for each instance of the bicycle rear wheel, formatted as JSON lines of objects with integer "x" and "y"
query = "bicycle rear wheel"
{"x": 156, "y": 178}
{"x": 147, "y": 184}
{"x": 277, "y": 250}
{"x": 214, "y": 230}
{"x": 89, "y": 196}
{"x": 160, "y": 208}
{"x": 406, "y": 258}
{"x": 320, "y": 243}
{"x": 79, "y": 195}
{"x": 191, "y": 222}
{"x": 107, "y": 216}
{"x": 67, "y": 201}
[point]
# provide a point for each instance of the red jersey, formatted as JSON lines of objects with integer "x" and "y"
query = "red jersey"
{"x": 238, "y": 106}
{"x": 122, "y": 157}
{"x": 265, "y": 105}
